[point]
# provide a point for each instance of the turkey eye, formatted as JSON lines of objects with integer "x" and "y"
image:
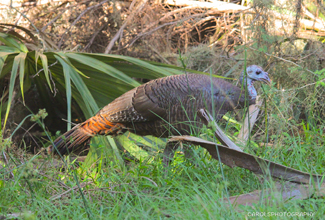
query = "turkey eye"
{"x": 258, "y": 72}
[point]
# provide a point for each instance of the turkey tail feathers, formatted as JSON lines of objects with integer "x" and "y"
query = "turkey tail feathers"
{"x": 70, "y": 140}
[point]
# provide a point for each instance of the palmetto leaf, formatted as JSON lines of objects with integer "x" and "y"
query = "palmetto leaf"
{"x": 92, "y": 80}
{"x": 45, "y": 67}
{"x": 68, "y": 71}
{"x": 104, "y": 68}
{"x": 11, "y": 42}
{"x": 132, "y": 147}
{"x": 21, "y": 57}
{"x": 19, "y": 61}
{"x": 3, "y": 57}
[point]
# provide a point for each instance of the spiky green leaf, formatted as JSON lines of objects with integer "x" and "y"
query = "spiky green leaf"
{"x": 101, "y": 66}
{"x": 67, "y": 70}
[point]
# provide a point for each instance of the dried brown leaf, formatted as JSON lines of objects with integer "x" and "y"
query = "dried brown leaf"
{"x": 234, "y": 158}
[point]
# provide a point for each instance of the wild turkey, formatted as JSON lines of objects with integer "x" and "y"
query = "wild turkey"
{"x": 164, "y": 107}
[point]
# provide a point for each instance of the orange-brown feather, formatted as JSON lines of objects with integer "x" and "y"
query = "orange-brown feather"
{"x": 79, "y": 134}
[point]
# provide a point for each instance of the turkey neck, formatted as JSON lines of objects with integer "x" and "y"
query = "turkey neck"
{"x": 249, "y": 86}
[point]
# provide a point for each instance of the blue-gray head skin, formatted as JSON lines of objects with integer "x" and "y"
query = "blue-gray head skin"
{"x": 254, "y": 73}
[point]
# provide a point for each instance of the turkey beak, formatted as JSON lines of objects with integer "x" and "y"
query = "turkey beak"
{"x": 266, "y": 78}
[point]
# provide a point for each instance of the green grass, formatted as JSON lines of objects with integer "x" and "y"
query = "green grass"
{"x": 137, "y": 188}
{"x": 187, "y": 189}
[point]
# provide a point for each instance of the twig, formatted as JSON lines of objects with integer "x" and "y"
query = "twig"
{"x": 150, "y": 180}
{"x": 11, "y": 6}
{"x": 280, "y": 58}
{"x": 213, "y": 63}
{"x": 54, "y": 87}
{"x": 91, "y": 41}
{"x": 7, "y": 163}
{"x": 188, "y": 29}
{"x": 50, "y": 73}
{"x": 27, "y": 132}
{"x": 161, "y": 26}
{"x": 78, "y": 18}
{"x": 74, "y": 124}
{"x": 310, "y": 15}
{"x": 58, "y": 181}
{"x": 219, "y": 5}
{"x": 37, "y": 74}
{"x": 120, "y": 31}
{"x": 5, "y": 93}
{"x": 54, "y": 19}
{"x": 310, "y": 84}
{"x": 157, "y": 52}
{"x": 166, "y": 16}
{"x": 82, "y": 185}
